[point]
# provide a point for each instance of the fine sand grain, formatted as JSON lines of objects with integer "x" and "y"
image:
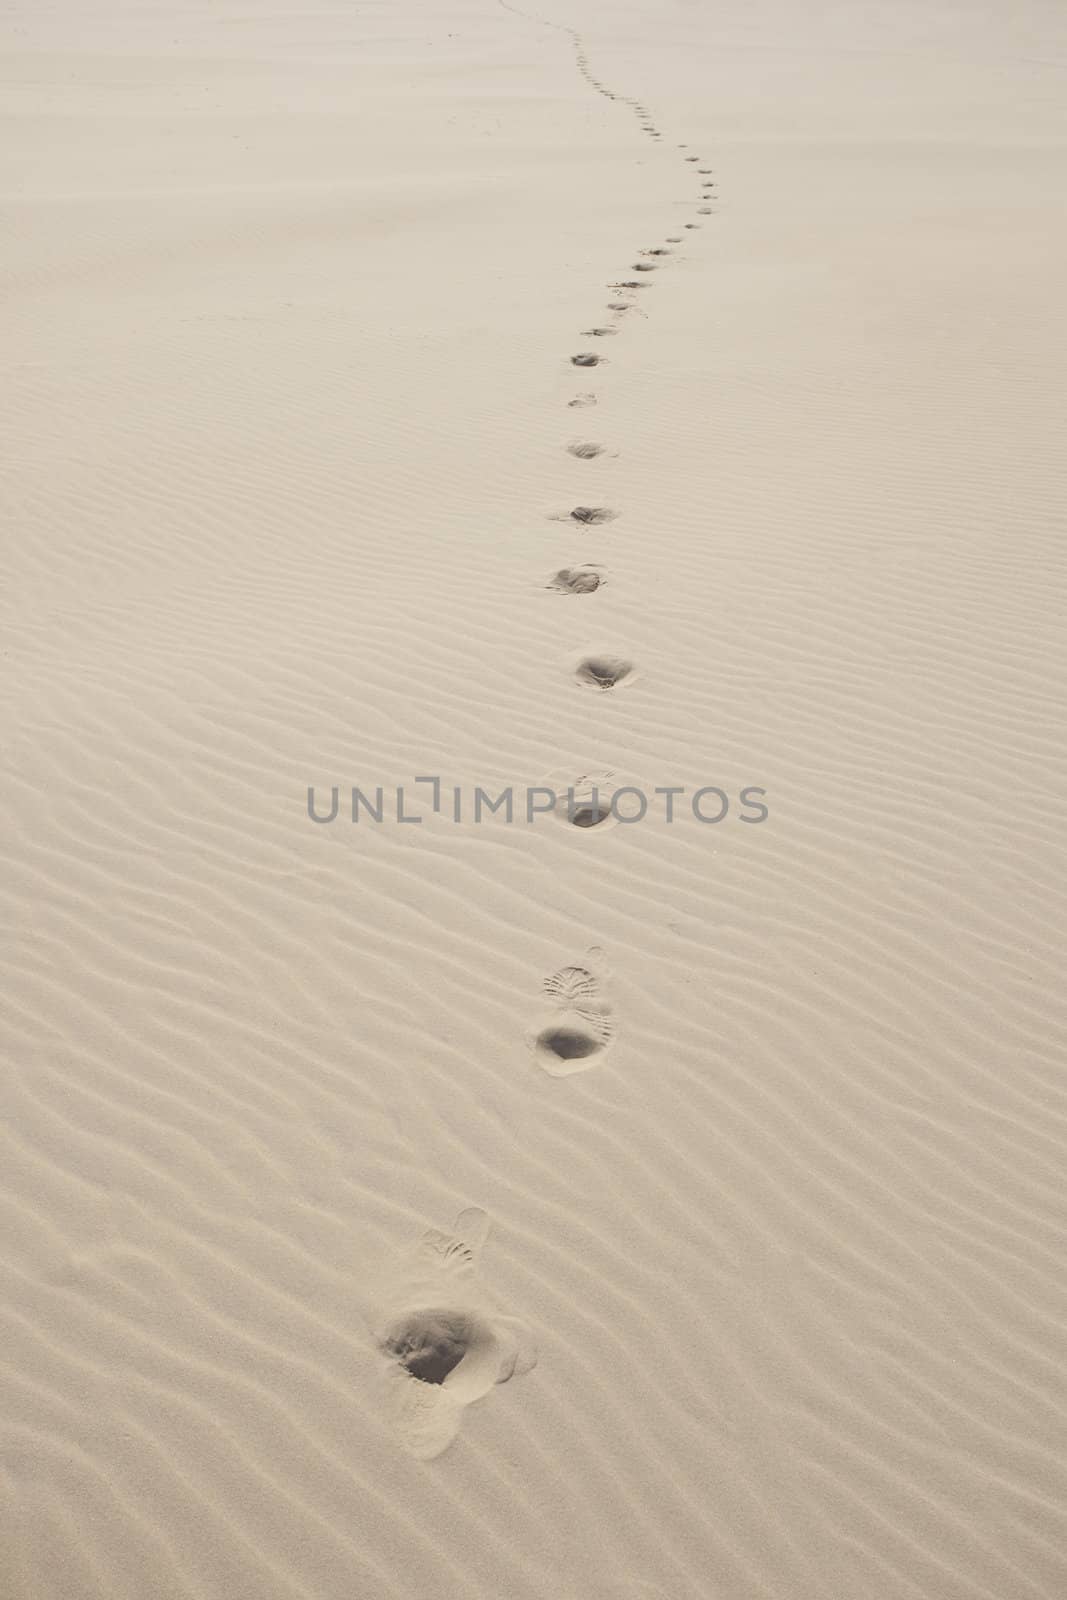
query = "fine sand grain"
{"x": 620, "y": 403}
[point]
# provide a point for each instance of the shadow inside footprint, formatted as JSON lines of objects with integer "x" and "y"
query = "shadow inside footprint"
{"x": 603, "y": 672}
{"x": 590, "y": 816}
{"x": 593, "y": 514}
{"x": 430, "y": 1344}
{"x": 568, "y": 1043}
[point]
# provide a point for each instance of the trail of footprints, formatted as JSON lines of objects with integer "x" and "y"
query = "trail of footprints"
{"x": 606, "y": 673}
{"x": 445, "y": 1344}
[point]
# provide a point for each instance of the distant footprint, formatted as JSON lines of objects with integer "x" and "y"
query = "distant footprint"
{"x": 586, "y": 358}
{"x": 577, "y": 1030}
{"x": 603, "y": 672}
{"x": 592, "y": 514}
{"x": 598, "y": 333}
{"x": 585, "y": 451}
{"x": 583, "y": 400}
{"x": 444, "y": 1345}
{"x": 577, "y": 580}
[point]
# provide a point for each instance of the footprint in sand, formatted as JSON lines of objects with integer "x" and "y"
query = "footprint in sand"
{"x": 576, "y": 1030}
{"x": 603, "y": 671}
{"x": 583, "y": 400}
{"x": 598, "y": 333}
{"x": 586, "y": 358}
{"x": 577, "y": 580}
{"x": 585, "y": 451}
{"x": 585, "y": 514}
{"x": 583, "y": 800}
{"x": 443, "y": 1344}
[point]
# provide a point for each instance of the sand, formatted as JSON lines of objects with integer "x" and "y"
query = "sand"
{"x": 566, "y": 1207}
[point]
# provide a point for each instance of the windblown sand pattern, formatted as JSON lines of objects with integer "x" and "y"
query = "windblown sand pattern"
{"x": 563, "y": 1211}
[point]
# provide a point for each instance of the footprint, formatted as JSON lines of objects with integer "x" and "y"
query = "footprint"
{"x": 692, "y": 158}
{"x": 598, "y": 333}
{"x": 593, "y": 514}
{"x": 584, "y": 801}
{"x": 628, "y": 283}
{"x": 444, "y": 1345}
{"x": 586, "y": 359}
{"x": 576, "y": 580}
{"x": 658, "y": 251}
{"x": 586, "y": 451}
{"x": 674, "y": 238}
{"x": 705, "y": 211}
{"x": 577, "y": 1030}
{"x": 644, "y": 266}
{"x": 692, "y": 224}
{"x": 583, "y": 400}
{"x": 601, "y": 671}
{"x": 704, "y": 171}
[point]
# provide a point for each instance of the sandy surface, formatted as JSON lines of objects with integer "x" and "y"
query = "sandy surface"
{"x": 517, "y": 1210}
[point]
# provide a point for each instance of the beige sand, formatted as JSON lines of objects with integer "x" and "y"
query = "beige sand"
{"x": 716, "y": 1169}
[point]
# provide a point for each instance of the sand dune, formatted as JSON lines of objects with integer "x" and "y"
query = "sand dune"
{"x": 602, "y": 406}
